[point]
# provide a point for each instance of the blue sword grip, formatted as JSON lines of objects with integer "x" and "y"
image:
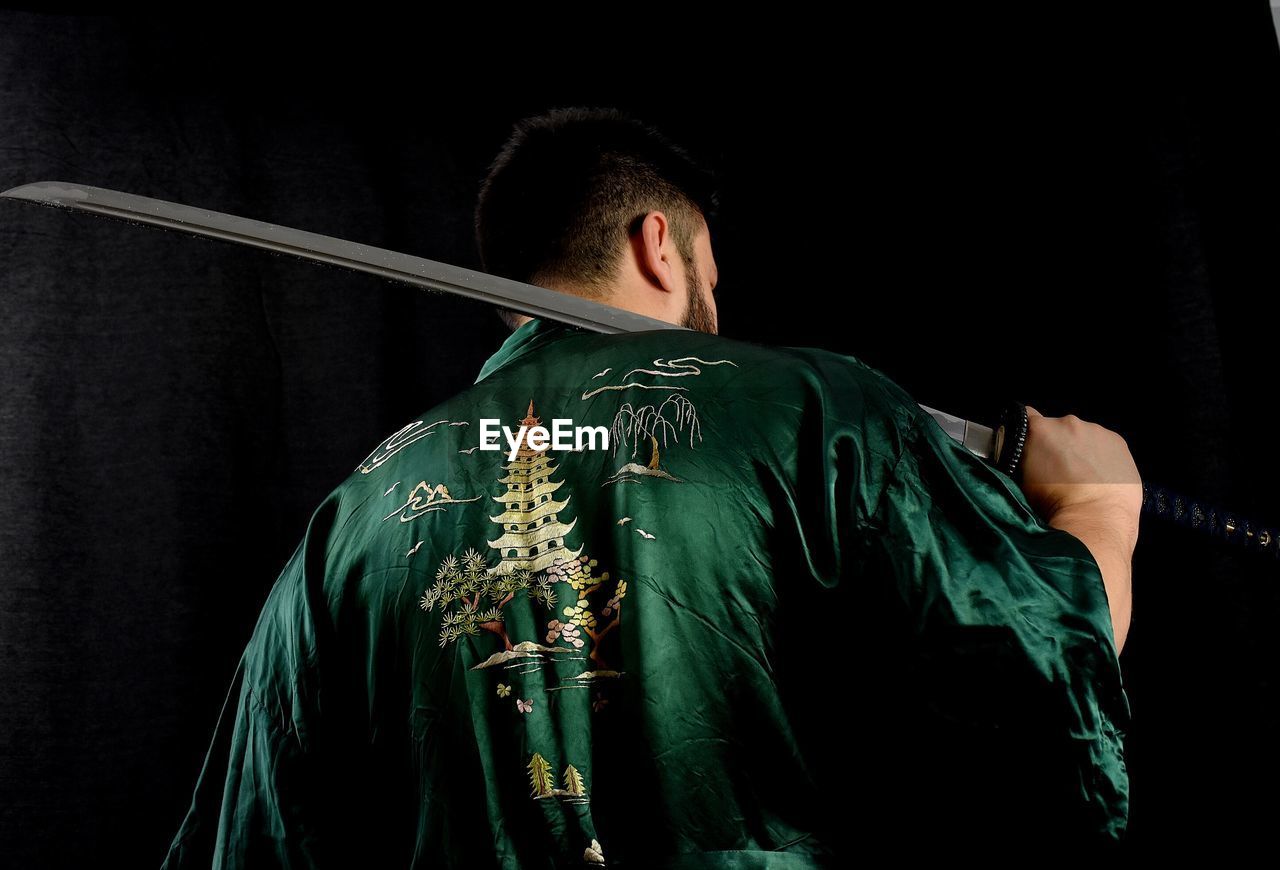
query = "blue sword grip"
{"x": 1210, "y": 519}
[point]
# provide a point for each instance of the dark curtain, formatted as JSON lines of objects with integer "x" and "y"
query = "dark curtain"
{"x": 1078, "y": 213}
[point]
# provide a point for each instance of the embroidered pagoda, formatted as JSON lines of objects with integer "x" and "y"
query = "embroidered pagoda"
{"x": 533, "y": 537}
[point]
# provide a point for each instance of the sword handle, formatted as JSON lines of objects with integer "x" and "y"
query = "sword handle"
{"x": 1157, "y": 501}
{"x": 1210, "y": 519}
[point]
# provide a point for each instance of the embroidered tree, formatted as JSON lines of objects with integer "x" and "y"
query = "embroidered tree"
{"x": 580, "y": 617}
{"x": 540, "y": 776}
{"x": 463, "y": 585}
{"x": 635, "y": 426}
{"x": 573, "y": 783}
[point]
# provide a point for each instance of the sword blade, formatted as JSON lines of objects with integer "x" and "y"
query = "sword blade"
{"x": 525, "y": 298}
{"x": 429, "y": 274}
{"x": 978, "y": 438}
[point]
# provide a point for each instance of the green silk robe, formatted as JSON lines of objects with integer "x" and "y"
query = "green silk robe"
{"x": 781, "y": 619}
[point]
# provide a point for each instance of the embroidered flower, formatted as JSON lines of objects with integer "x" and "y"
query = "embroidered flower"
{"x": 503, "y": 690}
{"x": 566, "y": 630}
{"x": 524, "y": 706}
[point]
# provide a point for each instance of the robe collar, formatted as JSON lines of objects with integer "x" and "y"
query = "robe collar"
{"x": 531, "y": 335}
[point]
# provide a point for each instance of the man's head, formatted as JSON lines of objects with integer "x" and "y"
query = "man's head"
{"x": 596, "y": 203}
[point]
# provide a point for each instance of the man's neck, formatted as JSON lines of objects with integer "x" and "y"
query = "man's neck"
{"x": 614, "y": 299}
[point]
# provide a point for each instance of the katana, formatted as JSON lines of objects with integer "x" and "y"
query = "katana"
{"x": 1000, "y": 445}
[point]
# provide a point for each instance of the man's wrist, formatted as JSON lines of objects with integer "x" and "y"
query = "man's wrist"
{"x": 1101, "y": 525}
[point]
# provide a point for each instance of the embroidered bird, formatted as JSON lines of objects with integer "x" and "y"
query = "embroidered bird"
{"x": 524, "y": 706}
{"x": 460, "y": 423}
{"x": 415, "y": 548}
{"x": 393, "y": 486}
{"x": 624, "y": 521}
{"x": 602, "y": 374}
{"x": 470, "y": 450}
{"x": 645, "y": 534}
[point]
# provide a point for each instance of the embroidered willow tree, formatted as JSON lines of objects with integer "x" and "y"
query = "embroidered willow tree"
{"x": 471, "y": 595}
{"x": 668, "y": 420}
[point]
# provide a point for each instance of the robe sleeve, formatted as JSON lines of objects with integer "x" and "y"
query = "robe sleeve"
{"x": 1007, "y": 680}
{"x": 262, "y": 797}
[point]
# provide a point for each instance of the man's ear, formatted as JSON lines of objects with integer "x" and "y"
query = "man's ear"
{"x": 653, "y": 247}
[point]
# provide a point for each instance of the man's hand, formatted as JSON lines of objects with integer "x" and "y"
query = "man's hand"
{"x": 1081, "y": 478}
{"x": 1072, "y": 464}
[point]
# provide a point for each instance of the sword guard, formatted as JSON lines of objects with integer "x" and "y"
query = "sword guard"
{"x": 1010, "y": 438}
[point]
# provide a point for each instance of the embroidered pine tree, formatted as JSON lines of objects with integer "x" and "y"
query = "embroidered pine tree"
{"x": 573, "y": 781}
{"x": 471, "y": 594}
{"x": 540, "y": 776}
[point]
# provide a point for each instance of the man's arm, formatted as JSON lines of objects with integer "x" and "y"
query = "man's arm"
{"x": 1114, "y": 556}
{"x": 979, "y": 637}
{"x": 1081, "y": 478}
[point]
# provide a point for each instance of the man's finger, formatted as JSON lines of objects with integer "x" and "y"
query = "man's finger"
{"x": 1032, "y": 412}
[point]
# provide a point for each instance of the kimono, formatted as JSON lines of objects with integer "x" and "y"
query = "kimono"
{"x": 775, "y": 618}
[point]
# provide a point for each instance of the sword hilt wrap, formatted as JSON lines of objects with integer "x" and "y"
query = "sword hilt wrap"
{"x": 1210, "y": 519}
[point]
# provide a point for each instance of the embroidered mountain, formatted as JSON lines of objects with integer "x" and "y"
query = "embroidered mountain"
{"x": 628, "y": 472}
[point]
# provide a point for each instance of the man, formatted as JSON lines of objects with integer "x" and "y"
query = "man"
{"x": 778, "y": 619}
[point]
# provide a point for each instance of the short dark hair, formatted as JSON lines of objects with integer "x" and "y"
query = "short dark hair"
{"x": 568, "y": 188}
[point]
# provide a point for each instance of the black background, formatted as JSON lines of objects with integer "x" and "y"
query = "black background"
{"x": 1070, "y": 209}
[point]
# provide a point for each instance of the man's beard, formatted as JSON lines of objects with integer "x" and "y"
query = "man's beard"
{"x": 697, "y": 314}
